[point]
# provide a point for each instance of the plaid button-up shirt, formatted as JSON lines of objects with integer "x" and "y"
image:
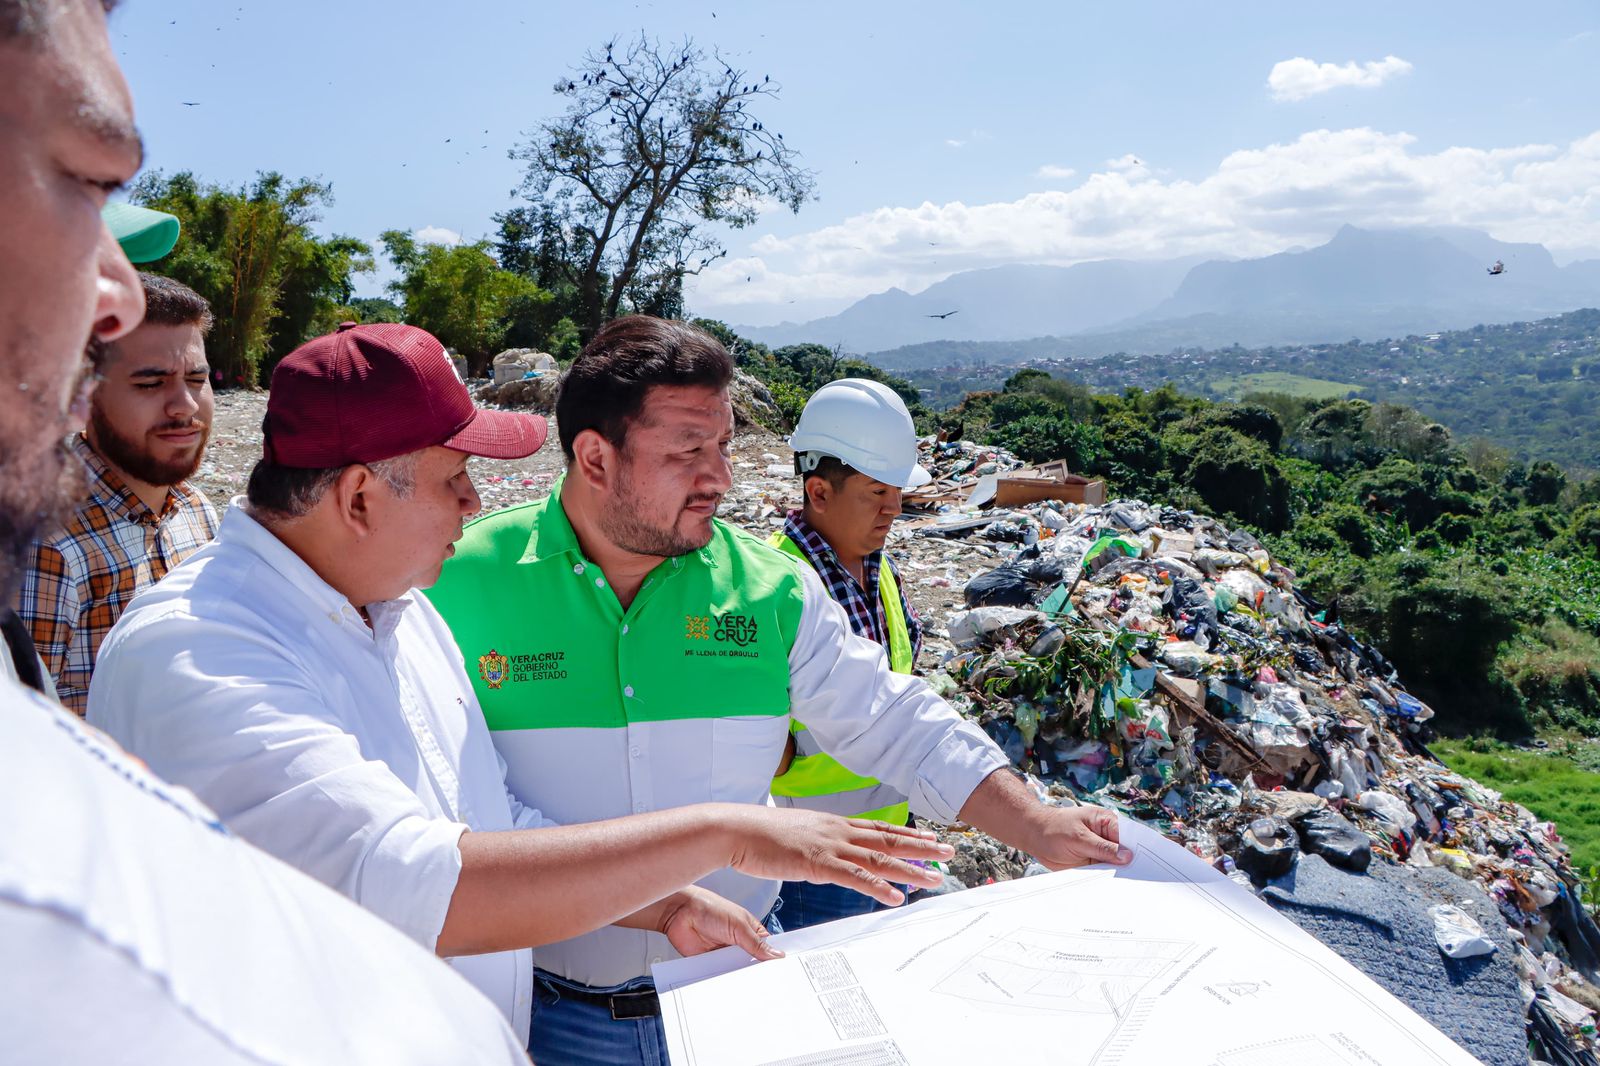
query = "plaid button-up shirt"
{"x": 862, "y": 605}
{"x": 79, "y": 580}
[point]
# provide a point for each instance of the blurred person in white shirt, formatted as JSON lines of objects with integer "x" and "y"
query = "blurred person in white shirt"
{"x": 136, "y": 929}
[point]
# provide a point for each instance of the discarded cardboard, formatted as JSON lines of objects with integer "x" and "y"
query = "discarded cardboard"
{"x": 1014, "y": 491}
{"x": 1170, "y": 542}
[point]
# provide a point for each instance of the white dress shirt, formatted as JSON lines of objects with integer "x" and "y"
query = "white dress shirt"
{"x": 134, "y": 929}
{"x": 357, "y": 754}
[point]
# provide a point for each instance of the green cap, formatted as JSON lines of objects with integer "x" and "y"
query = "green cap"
{"x": 145, "y": 235}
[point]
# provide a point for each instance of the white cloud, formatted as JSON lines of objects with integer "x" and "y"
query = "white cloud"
{"x": 1050, "y": 170}
{"x": 1298, "y": 78}
{"x": 437, "y": 235}
{"x": 1256, "y": 201}
{"x": 1129, "y": 164}
{"x": 951, "y": 142}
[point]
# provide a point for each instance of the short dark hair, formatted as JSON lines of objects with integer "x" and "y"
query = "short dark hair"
{"x": 834, "y": 471}
{"x": 606, "y": 385}
{"x": 172, "y": 303}
{"x": 285, "y": 492}
{"x": 26, "y": 19}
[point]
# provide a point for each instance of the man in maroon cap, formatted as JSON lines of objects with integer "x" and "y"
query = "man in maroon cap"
{"x": 293, "y": 677}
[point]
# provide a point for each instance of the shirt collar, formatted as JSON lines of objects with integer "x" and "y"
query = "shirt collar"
{"x": 816, "y": 546}
{"x": 552, "y": 534}
{"x": 109, "y": 490}
{"x": 239, "y": 529}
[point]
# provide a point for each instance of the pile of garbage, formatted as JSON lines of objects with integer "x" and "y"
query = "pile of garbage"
{"x": 1161, "y": 664}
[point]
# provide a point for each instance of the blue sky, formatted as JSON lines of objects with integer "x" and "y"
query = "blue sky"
{"x": 944, "y": 136}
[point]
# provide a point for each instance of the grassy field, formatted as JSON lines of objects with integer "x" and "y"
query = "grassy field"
{"x": 1293, "y": 384}
{"x": 1552, "y": 787}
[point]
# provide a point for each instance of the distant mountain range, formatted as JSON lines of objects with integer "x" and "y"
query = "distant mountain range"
{"x": 1361, "y": 284}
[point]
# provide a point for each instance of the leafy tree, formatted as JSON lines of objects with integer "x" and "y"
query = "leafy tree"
{"x": 1544, "y": 483}
{"x": 375, "y": 309}
{"x": 315, "y": 293}
{"x": 1585, "y": 529}
{"x": 656, "y": 143}
{"x": 1039, "y": 438}
{"x": 460, "y": 295}
{"x": 1234, "y": 475}
{"x": 1250, "y": 420}
{"x": 250, "y": 252}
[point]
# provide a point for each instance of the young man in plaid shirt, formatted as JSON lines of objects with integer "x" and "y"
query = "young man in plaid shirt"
{"x": 855, "y": 450}
{"x": 148, "y": 424}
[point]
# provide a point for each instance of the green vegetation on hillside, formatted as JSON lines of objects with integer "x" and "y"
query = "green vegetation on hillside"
{"x": 1288, "y": 384}
{"x": 1531, "y": 388}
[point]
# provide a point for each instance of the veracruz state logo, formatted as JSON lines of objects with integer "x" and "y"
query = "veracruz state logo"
{"x": 737, "y": 629}
{"x": 493, "y": 668}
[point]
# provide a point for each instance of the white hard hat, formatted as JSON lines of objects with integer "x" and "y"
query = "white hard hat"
{"x": 863, "y": 424}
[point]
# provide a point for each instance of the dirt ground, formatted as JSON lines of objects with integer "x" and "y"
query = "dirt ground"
{"x": 763, "y": 490}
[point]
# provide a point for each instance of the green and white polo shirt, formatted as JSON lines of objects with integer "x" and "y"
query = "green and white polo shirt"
{"x": 686, "y": 697}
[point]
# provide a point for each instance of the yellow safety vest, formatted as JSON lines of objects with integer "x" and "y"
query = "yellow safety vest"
{"x": 815, "y": 778}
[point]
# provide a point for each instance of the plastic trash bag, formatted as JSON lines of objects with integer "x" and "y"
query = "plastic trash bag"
{"x": 1268, "y": 848}
{"x": 1457, "y": 933}
{"x": 1331, "y": 835}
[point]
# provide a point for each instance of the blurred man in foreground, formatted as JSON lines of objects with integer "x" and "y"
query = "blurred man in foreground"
{"x": 136, "y": 929}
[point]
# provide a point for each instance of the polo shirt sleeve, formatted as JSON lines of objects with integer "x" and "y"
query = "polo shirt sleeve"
{"x": 232, "y": 717}
{"x": 877, "y": 722}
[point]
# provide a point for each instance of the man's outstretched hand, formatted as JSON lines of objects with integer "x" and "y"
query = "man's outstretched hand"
{"x": 1078, "y": 836}
{"x": 788, "y": 844}
{"x": 1059, "y": 837}
{"x": 697, "y": 920}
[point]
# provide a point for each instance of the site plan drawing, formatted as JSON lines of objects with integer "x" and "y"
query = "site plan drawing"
{"x": 1161, "y": 961}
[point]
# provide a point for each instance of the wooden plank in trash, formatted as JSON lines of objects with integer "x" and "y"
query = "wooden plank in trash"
{"x": 1187, "y": 704}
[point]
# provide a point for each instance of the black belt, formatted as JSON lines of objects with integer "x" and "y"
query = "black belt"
{"x": 625, "y": 1006}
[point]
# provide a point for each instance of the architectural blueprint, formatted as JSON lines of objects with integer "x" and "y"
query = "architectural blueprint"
{"x": 1162, "y": 961}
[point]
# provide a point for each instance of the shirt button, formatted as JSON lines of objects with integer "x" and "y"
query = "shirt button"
{"x": 655, "y": 960}
{"x": 624, "y": 629}
{"x": 578, "y": 569}
{"x": 634, "y": 752}
{"x": 638, "y": 808}
{"x": 628, "y": 692}
{"x": 599, "y": 582}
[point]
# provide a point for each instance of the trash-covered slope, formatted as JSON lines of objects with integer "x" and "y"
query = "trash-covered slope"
{"x": 1161, "y": 664}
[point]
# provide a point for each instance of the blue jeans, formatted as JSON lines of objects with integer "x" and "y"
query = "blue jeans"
{"x": 804, "y": 904}
{"x": 566, "y": 1032}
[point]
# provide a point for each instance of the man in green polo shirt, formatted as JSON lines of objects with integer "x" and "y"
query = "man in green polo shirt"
{"x": 632, "y": 653}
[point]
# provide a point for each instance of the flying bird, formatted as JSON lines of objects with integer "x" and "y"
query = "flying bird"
{"x": 944, "y": 316}
{"x": 190, "y": 103}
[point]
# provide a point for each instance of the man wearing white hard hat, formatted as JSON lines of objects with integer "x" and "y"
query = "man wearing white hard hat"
{"x": 855, "y": 450}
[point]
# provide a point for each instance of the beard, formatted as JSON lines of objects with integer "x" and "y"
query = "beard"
{"x": 38, "y": 494}
{"x": 622, "y": 521}
{"x": 40, "y": 488}
{"x": 130, "y": 456}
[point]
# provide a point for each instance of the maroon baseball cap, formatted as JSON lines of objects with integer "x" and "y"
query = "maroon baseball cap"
{"x": 368, "y": 393}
